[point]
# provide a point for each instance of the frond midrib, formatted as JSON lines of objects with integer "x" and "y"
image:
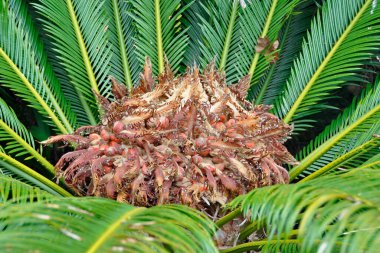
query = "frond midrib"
{"x": 112, "y": 228}
{"x": 35, "y": 175}
{"x": 289, "y": 116}
{"x": 160, "y": 46}
{"x": 264, "y": 33}
{"x": 361, "y": 148}
{"x": 63, "y": 126}
{"x": 82, "y": 46}
{"x": 227, "y": 41}
{"x": 29, "y": 148}
{"x": 317, "y": 153}
{"x": 123, "y": 51}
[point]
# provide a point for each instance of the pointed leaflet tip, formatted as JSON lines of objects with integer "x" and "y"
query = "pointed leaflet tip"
{"x": 118, "y": 90}
{"x": 146, "y": 79}
{"x": 240, "y": 89}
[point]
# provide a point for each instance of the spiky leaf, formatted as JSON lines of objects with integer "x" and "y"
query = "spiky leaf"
{"x": 352, "y": 128}
{"x": 24, "y": 69}
{"x": 101, "y": 225}
{"x": 332, "y": 53}
{"x": 328, "y": 214}
{"x": 79, "y": 34}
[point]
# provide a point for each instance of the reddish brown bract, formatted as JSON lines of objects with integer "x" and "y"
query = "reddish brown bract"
{"x": 188, "y": 139}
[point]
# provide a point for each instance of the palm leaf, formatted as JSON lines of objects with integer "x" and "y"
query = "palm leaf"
{"x": 19, "y": 140}
{"x": 353, "y": 159}
{"x": 230, "y": 34}
{"x": 219, "y": 31}
{"x": 159, "y": 32}
{"x": 372, "y": 163}
{"x": 102, "y": 225}
{"x": 332, "y": 53}
{"x": 11, "y": 166}
{"x": 260, "y": 19}
{"x": 352, "y": 128}
{"x": 79, "y": 35}
{"x": 191, "y": 21}
{"x": 27, "y": 74}
{"x": 125, "y": 67}
{"x": 290, "y": 37}
{"x": 14, "y": 191}
{"x": 275, "y": 246}
{"x": 331, "y": 213}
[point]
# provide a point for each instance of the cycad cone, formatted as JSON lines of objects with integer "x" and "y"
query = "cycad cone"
{"x": 188, "y": 139}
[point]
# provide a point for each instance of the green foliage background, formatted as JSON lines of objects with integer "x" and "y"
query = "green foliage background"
{"x": 54, "y": 54}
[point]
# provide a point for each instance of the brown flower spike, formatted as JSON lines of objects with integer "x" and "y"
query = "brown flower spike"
{"x": 188, "y": 139}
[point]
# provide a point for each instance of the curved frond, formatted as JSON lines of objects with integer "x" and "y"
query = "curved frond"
{"x": 265, "y": 246}
{"x": 125, "y": 67}
{"x": 355, "y": 126}
{"x": 159, "y": 32}
{"x": 191, "y": 21}
{"x": 24, "y": 68}
{"x": 14, "y": 191}
{"x": 372, "y": 163}
{"x": 230, "y": 33}
{"x": 290, "y": 44}
{"x": 353, "y": 159}
{"x": 219, "y": 31}
{"x": 11, "y": 167}
{"x": 343, "y": 37}
{"x": 102, "y": 225}
{"x": 328, "y": 214}
{"x": 79, "y": 34}
{"x": 19, "y": 140}
{"x": 259, "y": 20}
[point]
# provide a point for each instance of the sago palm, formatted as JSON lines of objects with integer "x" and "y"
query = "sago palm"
{"x": 200, "y": 133}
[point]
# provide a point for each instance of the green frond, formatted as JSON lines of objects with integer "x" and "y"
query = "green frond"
{"x": 290, "y": 39}
{"x": 19, "y": 141}
{"x": 124, "y": 65}
{"x": 259, "y": 20}
{"x": 11, "y": 166}
{"x": 78, "y": 30}
{"x": 103, "y": 225}
{"x": 328, "y": 214}
{"x": 191, "y": 21}
{"x": 265, "y": 246}
{"x": 372, "y": 163}
{"x": 159, "y": 32}
{"x": 218, "y": 31}
{"x": 355, "y": 126}
{"x": 333, "y": 53}
{"x": 228, "y": 34}
{"x": 14, "y": 191}
{"x": 24, "y": 68}
{"x": 353, "y": 159}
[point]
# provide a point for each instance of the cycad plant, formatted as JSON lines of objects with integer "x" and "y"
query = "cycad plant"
{"x": 309, "y": 59}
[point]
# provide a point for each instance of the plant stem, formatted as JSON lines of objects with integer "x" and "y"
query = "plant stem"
{"x": 257, "y": 245}
{"x": 227, "y": 218}
{"x": 341, "y": 160}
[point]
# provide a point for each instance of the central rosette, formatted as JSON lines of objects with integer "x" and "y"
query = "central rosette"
{"x": 188, "y": 139}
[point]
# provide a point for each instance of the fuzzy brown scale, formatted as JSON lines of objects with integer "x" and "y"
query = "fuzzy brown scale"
{"x": 188, "y": 139}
